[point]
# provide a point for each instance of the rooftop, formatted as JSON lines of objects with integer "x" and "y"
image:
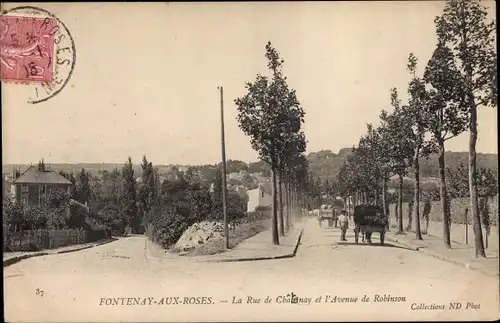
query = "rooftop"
{"x": 35, "y": 175}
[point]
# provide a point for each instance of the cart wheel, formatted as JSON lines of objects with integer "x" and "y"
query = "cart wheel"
{"x": 382, "y": 238}
{"x": 356, "y": 236}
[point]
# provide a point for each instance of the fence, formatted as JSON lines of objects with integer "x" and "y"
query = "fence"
{"x": 33, "y": 240}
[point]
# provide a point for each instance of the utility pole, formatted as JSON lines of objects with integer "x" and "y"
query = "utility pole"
{"x": 224, "y": 186}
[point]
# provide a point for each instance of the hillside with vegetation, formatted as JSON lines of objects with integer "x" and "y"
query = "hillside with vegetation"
{"x": 324, "y": 164}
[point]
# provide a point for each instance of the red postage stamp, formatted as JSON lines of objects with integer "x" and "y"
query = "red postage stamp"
{"x": 27, "y": 48}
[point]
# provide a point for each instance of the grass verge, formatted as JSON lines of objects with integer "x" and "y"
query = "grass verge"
{"x": 242, "y": 232}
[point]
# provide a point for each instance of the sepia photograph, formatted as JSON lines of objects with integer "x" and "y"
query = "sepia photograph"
{"x": 250, "y": 161}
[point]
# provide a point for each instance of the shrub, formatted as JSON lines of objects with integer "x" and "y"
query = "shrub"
{"x": 169, "y": 229}
{"x": 13, "y": 216}
{"x": 236, "y": 207}
{"x": 182, "y": 205}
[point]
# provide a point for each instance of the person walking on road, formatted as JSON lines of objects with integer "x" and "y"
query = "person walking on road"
{"x": 344, "y": 224}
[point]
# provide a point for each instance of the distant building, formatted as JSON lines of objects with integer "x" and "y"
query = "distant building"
{"x": 183, "y": 169}
{"x": 32, "y": 186}
{"x": 139, "y": 180}
{"x": 261, "y": 196}
{"x": 256, "y": 176}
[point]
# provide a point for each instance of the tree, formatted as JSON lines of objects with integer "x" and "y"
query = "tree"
{"x": 269, "y": 113}
{"x": 294, "y": 146}
{"x": 373, "y": 163}
{"x": 399, "y": 148}
{"x": 189, "y": 175}
{"x": 447, "y": 116}
{"x": 128, "y": 198}
{"x": 487, "y": 181}
{"x": 235, "y": 166}
{"x": 55, "y": 209}
{"x": 296, "y": 179}
{"x": 74, "y": 192}
{"x": 148, "y": 192}
{"x": 83, "y": 190}
{"x": 458, "y": 181}
{"x": 463, "y": 29}
{"x": 236, "y": 205}
{"x": 417, "y": 117}
{"x": 13, "y": 215}
{"x": 183, "y": 204}
{"x": 380, "y": 139}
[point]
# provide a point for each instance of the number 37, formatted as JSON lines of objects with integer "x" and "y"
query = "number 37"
{"x": 39, "y": 292}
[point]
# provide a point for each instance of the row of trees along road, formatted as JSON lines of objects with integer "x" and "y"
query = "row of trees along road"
{"x": 271, "y": 115}
{"x": 460, "y": 77}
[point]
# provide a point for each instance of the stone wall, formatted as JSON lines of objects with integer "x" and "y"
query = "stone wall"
{"x": 457, "y": 210}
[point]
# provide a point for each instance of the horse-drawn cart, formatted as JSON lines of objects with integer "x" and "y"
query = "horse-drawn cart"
{"x": 369, "y": 219}
{"x": 327, "y": 213}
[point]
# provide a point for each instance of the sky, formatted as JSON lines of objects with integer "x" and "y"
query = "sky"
{"x": 146, "y": 77}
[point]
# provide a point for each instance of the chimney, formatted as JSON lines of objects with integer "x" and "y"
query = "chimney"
{"x": 41, "y": 165}
{"x": 17, "y": 173}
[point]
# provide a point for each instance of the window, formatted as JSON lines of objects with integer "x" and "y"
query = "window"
{"x": 262, "y": 190}
{"x": 24, "y": 188}
{"x": 41, "y": 192}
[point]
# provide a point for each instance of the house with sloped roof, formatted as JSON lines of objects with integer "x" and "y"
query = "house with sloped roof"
{"x": 260, "y": 197}
{"x": 34, "y": 184}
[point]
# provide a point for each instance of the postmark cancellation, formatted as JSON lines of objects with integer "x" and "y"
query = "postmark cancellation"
{"x": 37, "y": 51}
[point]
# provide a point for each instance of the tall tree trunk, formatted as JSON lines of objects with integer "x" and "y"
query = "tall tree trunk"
{"x": 384, "y": 197}
{"x": 276, "y": 239}
{"x": 443, "y": 192}
{"x": 291, "y": 202}
{"x": 476, "y": 220}
{"x": 280, "y": 185}
{"x": 485, "y": 211}
{"x": 400, "y": 204}
{"x": 384, "y": 203}
{"x": 416, "y": 199}
{"x": 377, "y": 197}
{"x": 410, "y": 215}
{"x": 288, "y": 206}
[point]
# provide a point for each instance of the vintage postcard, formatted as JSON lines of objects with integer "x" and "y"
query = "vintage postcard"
{"x": 253, "y": 161}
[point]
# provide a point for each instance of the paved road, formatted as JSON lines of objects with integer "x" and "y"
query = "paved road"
{"x": 74, "y": 284}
